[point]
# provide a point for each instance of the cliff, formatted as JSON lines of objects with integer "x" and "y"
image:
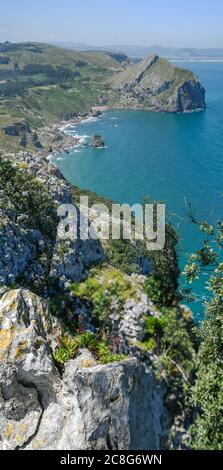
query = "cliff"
{"x": 83, "y": 341}
{"x": 156, "y": 85}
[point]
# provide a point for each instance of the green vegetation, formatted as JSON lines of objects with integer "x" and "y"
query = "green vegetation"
{"x": 71, "y": 345}
{"x": 207, "y": 396}
{"x": 41, "y": 84}
{"x": 169, "y": 337}
{"x": 161, "y": 290}
{"x": 102, "y": 287}
{"x": 128, "y": 257}
{"x": 22, "y": 193}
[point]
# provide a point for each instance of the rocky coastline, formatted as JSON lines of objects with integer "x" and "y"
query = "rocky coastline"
{"x": 54, "y": 138}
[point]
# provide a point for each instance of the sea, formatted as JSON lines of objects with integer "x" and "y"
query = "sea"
{"x": 173, "y": 158}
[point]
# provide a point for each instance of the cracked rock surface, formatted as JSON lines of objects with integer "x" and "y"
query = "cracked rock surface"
{"x": 92, "y": 406}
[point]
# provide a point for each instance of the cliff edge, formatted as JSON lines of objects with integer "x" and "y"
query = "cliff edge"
{"x": 157, "y": 85}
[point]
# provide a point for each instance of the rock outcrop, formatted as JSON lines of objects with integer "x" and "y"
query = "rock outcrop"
{"x": 156, "y": 85}
{"x": 17, "y": 129}
{"x": 114, "y": 406}
{"x": 27, "y": 372}
{"x": 97, "y": 141}
{"x": 21, "y": 247}
{"x": 18, "y": 248}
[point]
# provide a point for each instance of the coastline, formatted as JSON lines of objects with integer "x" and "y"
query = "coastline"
{"x": 197, "y": 61}
{"x": 57, "y": 140}
{"x": 55, "y": 136}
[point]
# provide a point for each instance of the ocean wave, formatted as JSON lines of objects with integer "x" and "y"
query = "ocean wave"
{"x": 70, "y": 129}
{"x": 88, "y": 119}
{"x": 102, "y": 147}
{"x": 82, "y": 139}
{"x": 64, "y": 127}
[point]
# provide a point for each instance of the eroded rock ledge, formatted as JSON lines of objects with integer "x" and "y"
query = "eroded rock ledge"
{"x": 114, "y": 406}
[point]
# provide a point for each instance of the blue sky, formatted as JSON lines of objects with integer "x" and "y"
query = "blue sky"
{"x": 187, "y": 23}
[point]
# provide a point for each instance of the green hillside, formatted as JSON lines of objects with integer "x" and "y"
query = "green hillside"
{"x": 41, "y": 84}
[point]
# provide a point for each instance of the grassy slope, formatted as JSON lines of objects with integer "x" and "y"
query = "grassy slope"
{"x": 160, "y": 71}
{"x": 46, "y": 96}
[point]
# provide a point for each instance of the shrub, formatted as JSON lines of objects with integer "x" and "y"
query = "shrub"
{"x": 71, "y": 345}
{"x": 104, "y": 286}
{"x": 168, "y": 336}
{"x": 161, "y": 290}
{"x": 23, "y": 193}
{"x": 207, "y": 396}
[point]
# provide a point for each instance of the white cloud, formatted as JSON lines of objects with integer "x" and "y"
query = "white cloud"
{"x": 3, "y": 30}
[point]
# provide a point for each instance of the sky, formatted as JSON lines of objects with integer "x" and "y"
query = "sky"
{"x": 177, "y": 23}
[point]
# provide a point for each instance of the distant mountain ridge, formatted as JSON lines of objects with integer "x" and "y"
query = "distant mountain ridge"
{"x": 143, "y": 51}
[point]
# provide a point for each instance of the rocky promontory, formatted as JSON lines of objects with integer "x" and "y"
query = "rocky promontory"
{"x": 157, "y": 85}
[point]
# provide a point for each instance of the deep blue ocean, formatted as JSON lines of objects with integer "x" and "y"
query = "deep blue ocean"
{"x": 177, "y": 159}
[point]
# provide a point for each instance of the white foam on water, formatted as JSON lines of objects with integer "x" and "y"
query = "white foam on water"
{"x": 70, "y": 129}
{"x": 88, "y": 119}
{"x": 102, "y": 147}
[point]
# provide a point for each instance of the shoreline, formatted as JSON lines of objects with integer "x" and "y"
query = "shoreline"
{"x": 197, "y": 61}
{"x": 58, "y": 140}
{"x": 68, "y": 142}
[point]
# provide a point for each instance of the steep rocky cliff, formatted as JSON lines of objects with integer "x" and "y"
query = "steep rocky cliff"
{"x": 157, "y": 85}
{"x": 83, "y": 343}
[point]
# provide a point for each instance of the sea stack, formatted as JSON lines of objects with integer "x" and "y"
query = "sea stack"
{"x": 97, "y": 141}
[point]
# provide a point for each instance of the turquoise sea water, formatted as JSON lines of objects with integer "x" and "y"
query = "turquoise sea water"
{"x": 173, "y": 158}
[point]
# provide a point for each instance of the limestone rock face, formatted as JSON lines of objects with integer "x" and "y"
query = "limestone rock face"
{"x": 191, "y": 96}
{"x": 20, "y": 248}
{"x": 156, "y": 85}
{"x": 28, "y": 376}
{"x": 17, "y": 128}
{"x": 20, "y": 410}
{"x": 114, "y": 406}
{"x": 71, "y": 258}
{"x": 27, "y": 333}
